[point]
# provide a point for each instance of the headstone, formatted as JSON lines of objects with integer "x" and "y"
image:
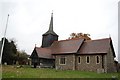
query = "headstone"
{"x": 5, "y": 63}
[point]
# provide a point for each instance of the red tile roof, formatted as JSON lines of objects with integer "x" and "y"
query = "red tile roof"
{"x": 95, "y": 46}
{"x": 66, "y": 46}
{"x": 43, "y": 52}
{"x": 99, "y": 46}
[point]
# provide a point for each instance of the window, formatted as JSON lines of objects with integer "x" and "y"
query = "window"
{"x": 79, "y": 59}
{"x": 62, "y": 60}
{"x": 88, "y": 59}
{"x": 97, "y": 59}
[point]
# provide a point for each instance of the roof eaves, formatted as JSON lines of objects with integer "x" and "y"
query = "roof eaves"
{"x": 50, "y": 32}
{"x": 92, "y": 53}
{"x": 62, "y": 53}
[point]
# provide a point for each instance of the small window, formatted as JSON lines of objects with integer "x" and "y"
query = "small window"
{"x": 88, "y": 59}
{"x": 62, "y": 60}
{"x": 79, "y": 60}
{"x": 97, "y": 59}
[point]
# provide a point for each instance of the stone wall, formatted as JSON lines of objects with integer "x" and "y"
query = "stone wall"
{"x": 69, "y": 64}
{"x": 106, "y": 63}
{"x": 92, "y": 66}
{"x": 110, "y": 62}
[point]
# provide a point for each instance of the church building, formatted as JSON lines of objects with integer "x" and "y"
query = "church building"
{"x": 74, "y": 54}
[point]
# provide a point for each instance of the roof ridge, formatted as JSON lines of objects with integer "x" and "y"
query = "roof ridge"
{"x": 97, "y": 39}
{"x": 69, "y": 39}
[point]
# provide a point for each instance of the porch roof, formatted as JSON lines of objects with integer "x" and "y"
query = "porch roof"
{"x": 43, "y": 52}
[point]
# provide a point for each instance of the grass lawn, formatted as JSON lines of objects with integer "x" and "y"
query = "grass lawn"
{"x": 27, "y": 72}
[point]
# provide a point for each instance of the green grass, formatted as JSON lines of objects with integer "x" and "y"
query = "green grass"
{"x": 27, "y": 72}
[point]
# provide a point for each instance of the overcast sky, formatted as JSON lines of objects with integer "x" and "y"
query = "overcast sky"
{"x": 29, "y": 19}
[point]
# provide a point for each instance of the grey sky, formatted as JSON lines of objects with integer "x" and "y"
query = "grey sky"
{"x": 29, "y": 19}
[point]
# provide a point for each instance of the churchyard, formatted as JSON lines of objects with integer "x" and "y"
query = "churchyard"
{"x": 28, "y": 72}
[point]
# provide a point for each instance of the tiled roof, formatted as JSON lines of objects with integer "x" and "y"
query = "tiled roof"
{"x": 95, "y": 46}
{"x": 43, "y": 52}
{"x": 79, "y": 46}
{"x": 66, "y": 46}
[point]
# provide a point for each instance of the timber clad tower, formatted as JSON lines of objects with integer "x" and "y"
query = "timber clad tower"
{"x": 50, "y": 36}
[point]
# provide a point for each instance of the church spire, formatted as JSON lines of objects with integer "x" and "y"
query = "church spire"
{"x": 50, "y": 36}
{"x": 51, "y": 31}
{"x": 51, "y": 23}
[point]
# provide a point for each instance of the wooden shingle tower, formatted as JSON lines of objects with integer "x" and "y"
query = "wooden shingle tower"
{"x": 50, "y": 36}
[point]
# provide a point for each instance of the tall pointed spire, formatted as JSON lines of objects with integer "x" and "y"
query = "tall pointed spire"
{"x": 51, "y": 31}
{"x": 51, "y": 23}
{"x": 50, "y": 36}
